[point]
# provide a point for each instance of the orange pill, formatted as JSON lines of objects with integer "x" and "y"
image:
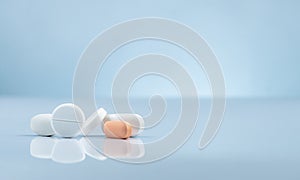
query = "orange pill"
{"x": 117, "y": 129}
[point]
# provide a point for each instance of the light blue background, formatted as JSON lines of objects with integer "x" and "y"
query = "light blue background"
{"x": 257, "y": 43}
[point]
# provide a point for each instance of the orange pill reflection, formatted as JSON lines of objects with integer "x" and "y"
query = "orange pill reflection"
{"x": 117, "y": 129}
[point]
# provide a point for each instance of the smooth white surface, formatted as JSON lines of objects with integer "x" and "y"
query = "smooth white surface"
{"x": 67, "y": 119}
{"x": 41, "y": 125}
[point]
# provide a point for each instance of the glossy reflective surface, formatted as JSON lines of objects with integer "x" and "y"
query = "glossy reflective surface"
{"x": 259, "y": 139}
{"x": 67, "y": 151}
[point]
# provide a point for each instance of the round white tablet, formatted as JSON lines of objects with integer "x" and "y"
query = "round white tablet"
{"x": 67, "y": 119}
{"x": 41, "y": 125}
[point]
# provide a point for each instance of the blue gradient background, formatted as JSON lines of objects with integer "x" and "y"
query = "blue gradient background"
{"x": 256, "y": 42}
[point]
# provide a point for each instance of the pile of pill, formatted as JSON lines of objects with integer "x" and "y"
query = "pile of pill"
{"x": 68, "y": 120}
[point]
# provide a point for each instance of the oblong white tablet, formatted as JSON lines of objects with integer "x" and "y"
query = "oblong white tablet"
{"x": 136, "y": 121}
{"x": 67, "y": 119}
{"x": 41, "y": 125}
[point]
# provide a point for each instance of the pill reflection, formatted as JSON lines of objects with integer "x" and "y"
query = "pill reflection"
{"x": 123, "y": 149}
{"x": 68, "y": 151}
{"x": 74, "y": 151}
{"x": 91, "y": 150}
{"x": 42, "y": 147}
{"x": 131, "y": 148}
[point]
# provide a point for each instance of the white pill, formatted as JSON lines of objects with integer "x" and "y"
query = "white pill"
{"x": 95, "y": 120}
{"x": 41, "y": 125}
{"x": 42, "y": 147}
{"x": 68, "y": 151}
{"x": 135, "y": 120}
{"x": 67, "y": 119}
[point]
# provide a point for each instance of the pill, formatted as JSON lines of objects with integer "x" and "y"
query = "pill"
{"x": 95, "y": 120}
{"x": 41, "y": 125}
{"x": 134, "y": 120}
{"x": 117, "y": 129}
{"x": 67, "y": 119}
